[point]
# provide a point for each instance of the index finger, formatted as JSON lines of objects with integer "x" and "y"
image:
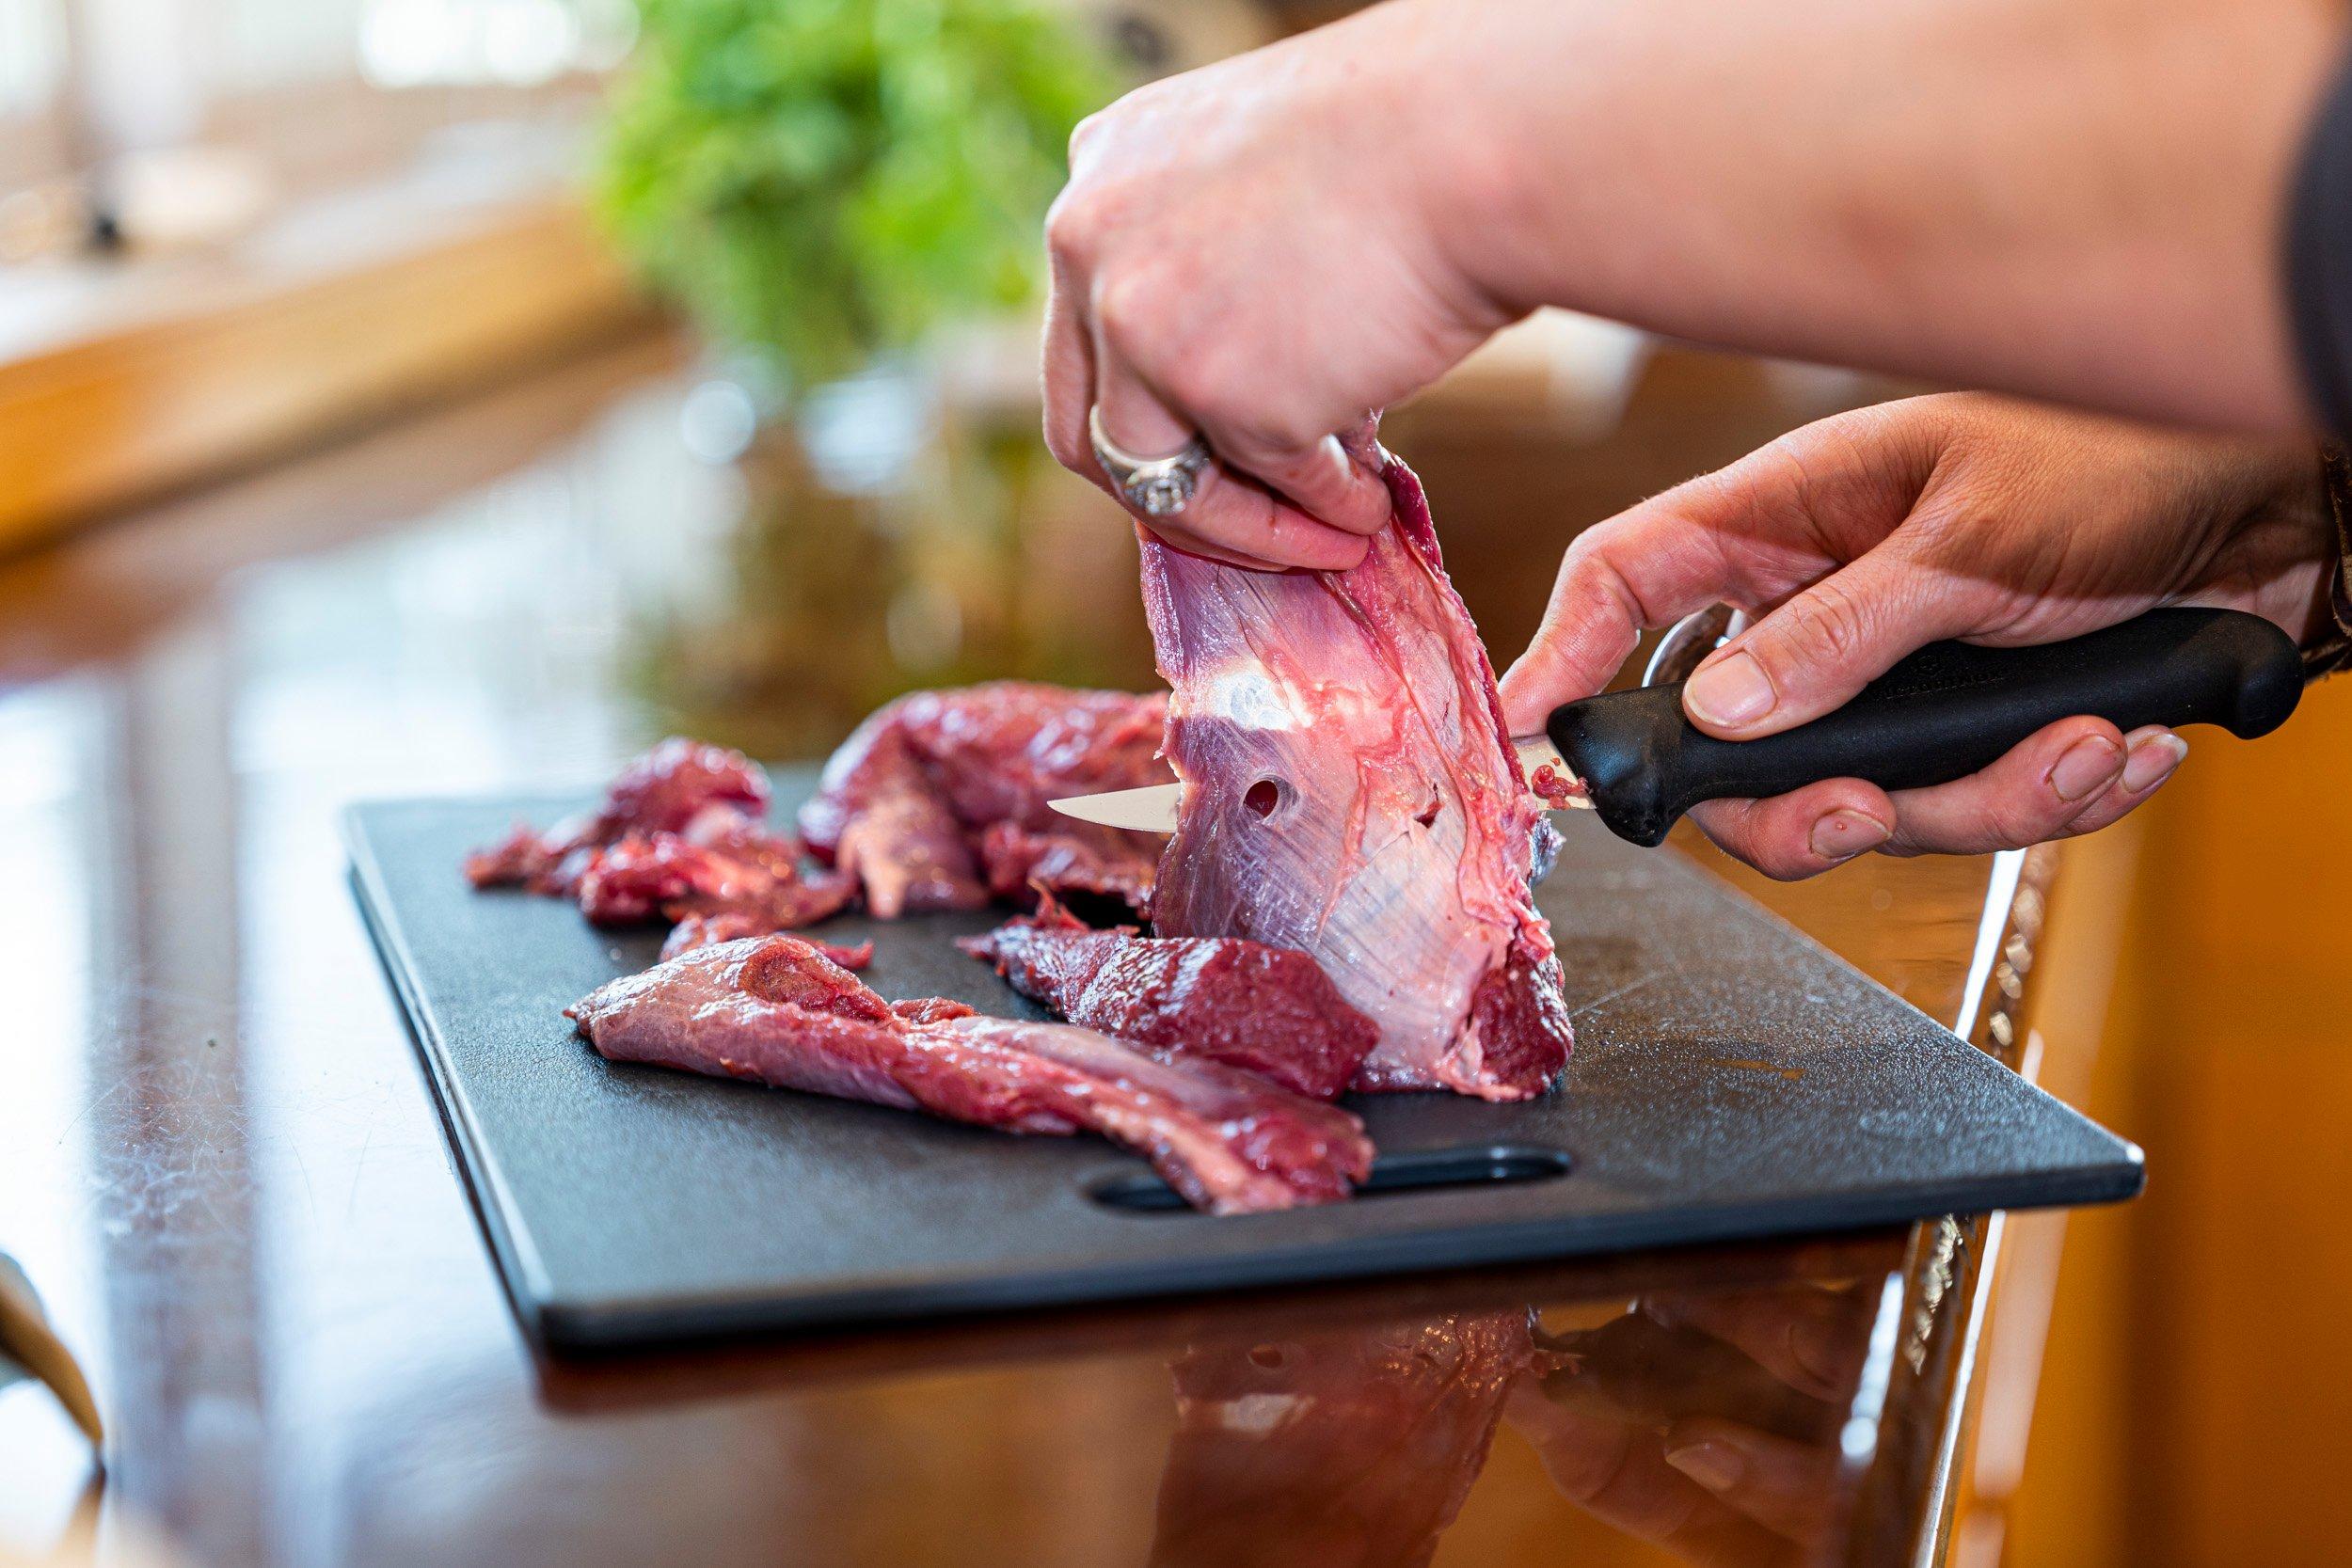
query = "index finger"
{"x": 1642, "y": 569}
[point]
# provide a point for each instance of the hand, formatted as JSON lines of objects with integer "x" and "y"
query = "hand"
{"x": 1708, "y": 1421}
{"x": 1866, "y": 536}
{"x": 1269, "y": 250}
{"x": 1248, "y": 252}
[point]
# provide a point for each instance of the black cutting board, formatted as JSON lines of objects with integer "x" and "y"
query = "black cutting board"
{"x": 630, "y": 1204}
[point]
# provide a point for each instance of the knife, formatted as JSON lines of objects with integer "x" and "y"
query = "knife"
{"x": 1941, "y": 714}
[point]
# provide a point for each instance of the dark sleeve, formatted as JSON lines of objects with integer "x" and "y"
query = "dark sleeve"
{"x": 2319, "y": 259}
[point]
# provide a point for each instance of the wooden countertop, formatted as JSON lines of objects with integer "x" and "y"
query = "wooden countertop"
{"x": 228, "y": 1179}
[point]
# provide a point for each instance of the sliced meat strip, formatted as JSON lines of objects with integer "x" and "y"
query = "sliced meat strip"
{"x": 670, "y": 787}
{"x": 888, "y": 828}
{"x": 665, "y": 876}
{"x": 708, "y": 930}
{"x": 938, "y": 801}
{"x": 1266, "y": 1011}
{"x": 681, "y": 837}
{"x": 775, "y": 1010}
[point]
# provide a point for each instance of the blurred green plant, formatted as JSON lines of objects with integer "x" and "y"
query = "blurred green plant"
{"x": 820, "y": 181}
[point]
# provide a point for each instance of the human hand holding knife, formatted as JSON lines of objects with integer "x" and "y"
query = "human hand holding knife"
{"x": 1940, "y": 714}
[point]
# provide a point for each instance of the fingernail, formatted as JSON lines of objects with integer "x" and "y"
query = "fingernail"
{"x": 2151, "y": 762}
{"x": 1731, "y": 691}
{"x": 2087, "y": 765}
{"x": 1713, "y": 1465}
{"x": 1843, "y": 834}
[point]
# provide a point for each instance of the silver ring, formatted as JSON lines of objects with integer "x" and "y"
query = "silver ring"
{"x": 1156, "y": 486}
{"x": 1691, "y": 639}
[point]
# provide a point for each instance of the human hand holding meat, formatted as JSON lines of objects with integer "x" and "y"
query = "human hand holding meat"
{"x": 1864, "y": 537}
{"x": 1265, "y": 251}
{"x": 1251, "y": 252}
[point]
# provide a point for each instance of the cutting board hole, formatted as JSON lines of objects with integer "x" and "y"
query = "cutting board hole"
{"x": 1392, "y": 1174}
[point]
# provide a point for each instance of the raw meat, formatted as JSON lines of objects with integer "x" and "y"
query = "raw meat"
{"x": 680, "y": 837}
{"x": 709, "y": 930}
{"x": 937, "y": 801}
{"x": 1351, "y": 792}
{"x": 669, "y": 789}
{"x": 713, "y": 892}
{"x": 1266, "y": 1011}
{"x": 776, "y": 1010}
{"x": 1351, "y": 1447}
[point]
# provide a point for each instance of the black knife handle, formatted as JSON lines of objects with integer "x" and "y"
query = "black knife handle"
{"x": 1941, "y": 714}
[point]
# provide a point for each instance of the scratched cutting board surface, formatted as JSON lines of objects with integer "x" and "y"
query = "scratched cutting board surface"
{"x": 633, "y": 1204}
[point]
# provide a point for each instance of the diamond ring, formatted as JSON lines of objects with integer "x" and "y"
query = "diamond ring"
{"x": 1156, "y": 486}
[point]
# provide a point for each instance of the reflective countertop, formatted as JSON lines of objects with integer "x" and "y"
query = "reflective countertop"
{"x": 225, "y": 1174}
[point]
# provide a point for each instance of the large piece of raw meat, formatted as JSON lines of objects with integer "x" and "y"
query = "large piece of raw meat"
{"x": 1264, "y": 1010}
{"x": 938, "y": 801}
{"x": 774, "y": 1009}
{"x": 1351, "y": 792}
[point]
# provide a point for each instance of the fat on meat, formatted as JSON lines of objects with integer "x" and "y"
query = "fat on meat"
{"x": 1351, "y": 792}
{"x": 681, "y": 836}
{"x": 775, "y": 1010}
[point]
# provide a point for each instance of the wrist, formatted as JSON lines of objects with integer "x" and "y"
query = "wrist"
{"x": 1474, "y": 148}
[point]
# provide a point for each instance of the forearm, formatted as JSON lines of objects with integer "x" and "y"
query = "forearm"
{"x": 2074, "y": 199}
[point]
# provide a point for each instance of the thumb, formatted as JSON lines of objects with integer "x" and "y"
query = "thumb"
{"x": 1824, "y": 644}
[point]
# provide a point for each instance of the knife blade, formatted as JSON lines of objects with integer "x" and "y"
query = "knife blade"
{"x": 1941, "y": 714}
{"x": 1154, "y": 808}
